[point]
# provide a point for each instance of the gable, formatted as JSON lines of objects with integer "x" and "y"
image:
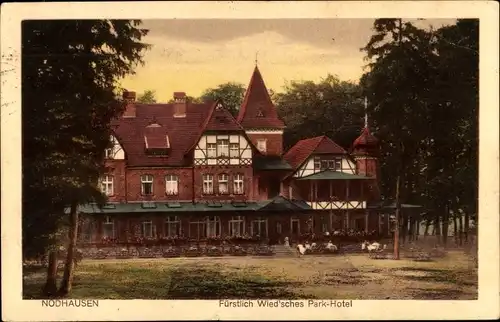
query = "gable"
{"x": 116, "y": 151}
{"x": 221, "y": 120}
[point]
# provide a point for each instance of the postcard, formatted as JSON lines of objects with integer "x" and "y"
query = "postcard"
{"x": 250, "y": 160}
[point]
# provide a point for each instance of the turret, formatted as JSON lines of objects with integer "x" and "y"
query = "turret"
{"x": 259, "y": 118}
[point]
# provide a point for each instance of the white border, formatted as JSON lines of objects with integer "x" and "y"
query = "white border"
{"x": 14, "y": 308}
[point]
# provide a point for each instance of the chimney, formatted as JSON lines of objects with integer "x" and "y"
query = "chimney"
{"x": 129, "y": 99}
{"x": 129, "y": 96}
{"x": 180, "y": 104}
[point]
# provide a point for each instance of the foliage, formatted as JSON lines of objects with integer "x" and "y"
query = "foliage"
{"x": 231, "y": 93}
{"x": 148, "y": 97}
{"x": 330, "y": 107}
{"x": 70, "y": 70}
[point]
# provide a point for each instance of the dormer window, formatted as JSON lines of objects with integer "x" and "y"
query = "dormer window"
{"x": 156, "y": 141}
{"x": 219, "y": 106}
{"x": 260, "y": 114}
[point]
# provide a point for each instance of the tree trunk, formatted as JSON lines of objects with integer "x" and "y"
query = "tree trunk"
{"x": 461, "y": 230}
{"x": 466, "y": 226}
{"x": 50, "y": 288}
{"x": 445, "y": 226}
{"x": 455, "y": 229}
{"x": 398, "y": 210}
{"x": 426, "y": 231}
{"x": 67, "y": 281}
{"x": 437, "y": 227}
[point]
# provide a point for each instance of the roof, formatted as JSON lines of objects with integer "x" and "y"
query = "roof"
{"x": 391, "y": 205}
{"x": 303, "y": 149}
{"x": 220, "y": 119}
{"x": 333, "y": 175}
{"x": 183, "y": 132}
{"x": 148, "y": 207}
{"x": 366, "y": 139}
{"x": 257, "y": 109}
{"x": 279, "y": 203}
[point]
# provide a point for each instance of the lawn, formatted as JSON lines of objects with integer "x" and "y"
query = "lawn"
{"x": 343, "y": 277}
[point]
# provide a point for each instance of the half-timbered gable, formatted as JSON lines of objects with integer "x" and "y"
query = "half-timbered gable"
{"x": 115, "y": 151}
{"x": 222, "y": 141}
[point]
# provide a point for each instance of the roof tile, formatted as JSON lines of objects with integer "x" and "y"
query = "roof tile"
{"x": 257, "y": 109}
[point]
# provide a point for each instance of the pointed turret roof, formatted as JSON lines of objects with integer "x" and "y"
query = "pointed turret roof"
{"x": 366, "y": 139}
{"x": 257, "y": 109}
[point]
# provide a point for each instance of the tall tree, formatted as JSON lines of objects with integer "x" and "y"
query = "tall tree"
{"x": 231, "y": 93}
{"x": 70, "y": 70}
{"x": 148, "y": 97}
{"x": 424, "y": 99}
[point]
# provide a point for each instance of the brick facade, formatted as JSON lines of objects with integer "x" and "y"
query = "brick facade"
{"x": 274, "y": 142}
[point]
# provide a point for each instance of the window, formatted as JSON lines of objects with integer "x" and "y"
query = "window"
{"x": 107, "y": 185}
{"x": 197, "y": 229}
{"x": 278, "y": 228}
{"x": 213, "y": 226}
{"x": 207, "y": 227}
{"x": 172, "y": 226}
{"x": 317, "y": 163}
{"x": 223, "y": 182}
{"x": 171, "y": 185}
{"x": 208, "y": 184}
{"x": 211, "y": 150}
{"x": 236, "y": 226}
{"x": 238, "y": 188}
{"x": 147, "y": 184}
{"x": 234, "y": 150}
{"x": 148, "y": 229}
{"x": 259, "y": 227}
{"x": 327, "y": 164}
{"x": 222, "y": 148}
{"x": 108, "y": 228}
{"x": 295, "y": 226}
{"x": 108, "y": 153}
{"x": 262, "y": 145}
{"x": 338, "y": 164}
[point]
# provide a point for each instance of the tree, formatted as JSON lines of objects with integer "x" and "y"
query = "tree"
{"x": 231, "y": 93}
{"x": 148, "y": 97}
{"x": 70, "y": 69}
{"x": 413, "y": 79}
{"x": 330, "y": 107}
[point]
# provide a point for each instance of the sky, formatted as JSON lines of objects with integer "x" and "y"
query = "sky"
{"x": 192, "y": 55}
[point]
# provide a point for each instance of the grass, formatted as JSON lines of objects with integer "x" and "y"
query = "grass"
{"x": 346, "y": 277}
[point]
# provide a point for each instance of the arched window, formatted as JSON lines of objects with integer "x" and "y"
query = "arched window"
{"x": 238, "y": 184}
{"x": 208, "y": 184}
{"x": 223, "y": 183}
{"x": 147, "y": 184}
{"x": 171, "y": 185}
{"x": 107, "y": 185}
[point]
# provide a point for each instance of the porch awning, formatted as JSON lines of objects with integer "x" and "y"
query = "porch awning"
{"x": 281, "y": 203}
{"x": 333, "y": 175}
{"x": 391, "y": 205}
{"x": 148, "y": 207}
